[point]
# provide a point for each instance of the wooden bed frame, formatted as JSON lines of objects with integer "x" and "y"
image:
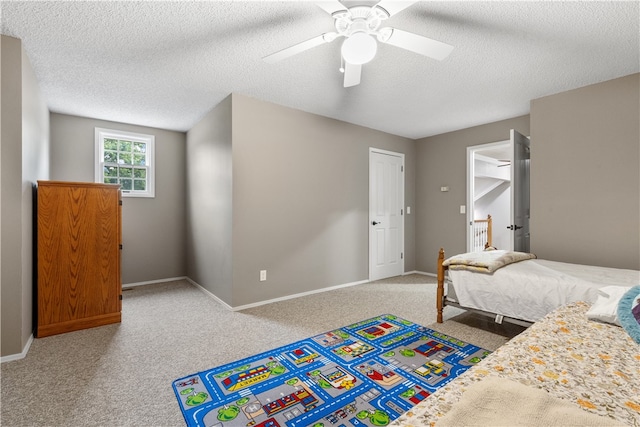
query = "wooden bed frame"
{"x": 442, "y": 301}
{"x": 440, "y": 297}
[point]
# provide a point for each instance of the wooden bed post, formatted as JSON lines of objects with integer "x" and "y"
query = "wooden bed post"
{"x": 440, "y": 294}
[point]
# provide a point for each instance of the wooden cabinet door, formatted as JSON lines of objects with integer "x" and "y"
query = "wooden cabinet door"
{"x": 78, "y": 256}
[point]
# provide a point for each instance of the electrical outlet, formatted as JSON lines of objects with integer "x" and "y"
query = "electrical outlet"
{"x": 263, "y": 275}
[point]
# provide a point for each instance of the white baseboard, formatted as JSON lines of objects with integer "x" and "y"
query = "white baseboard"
{"x": 25, "y": 350}
{"x": 292, "y": 296}
{"x": 424, "y": 273}
{"x": 151, "y": 282}
{"x": 269, "y": 301}
{"x": 209, "y": 293}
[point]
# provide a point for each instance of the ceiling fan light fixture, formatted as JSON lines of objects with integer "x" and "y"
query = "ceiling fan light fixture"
{"x": 359, "y": 48}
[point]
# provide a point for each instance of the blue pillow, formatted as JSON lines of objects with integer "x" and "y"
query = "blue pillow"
{"x": 629, "y": 313}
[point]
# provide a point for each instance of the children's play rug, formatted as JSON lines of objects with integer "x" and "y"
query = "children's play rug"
{"x": 364, "y": 374}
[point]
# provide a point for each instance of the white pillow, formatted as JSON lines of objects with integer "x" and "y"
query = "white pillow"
{"x": 605, "y": 309}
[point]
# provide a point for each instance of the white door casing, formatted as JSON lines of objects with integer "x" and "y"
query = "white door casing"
{"x": 519, "y": 200}
{"x": 386, "y": 214}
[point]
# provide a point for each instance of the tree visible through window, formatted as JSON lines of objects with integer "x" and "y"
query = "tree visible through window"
{"x": 125, "y": 158}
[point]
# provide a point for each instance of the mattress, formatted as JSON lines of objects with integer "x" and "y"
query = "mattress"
{"x": 528, "y": 290}
{"x": 594, "y": 366}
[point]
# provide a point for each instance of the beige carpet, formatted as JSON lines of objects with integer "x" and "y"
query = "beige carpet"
{"x": 121, "y": 375}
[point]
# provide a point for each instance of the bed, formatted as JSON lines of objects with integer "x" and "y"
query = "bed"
{"x": 518, "y": 287}
{"x": 570, "y": 362}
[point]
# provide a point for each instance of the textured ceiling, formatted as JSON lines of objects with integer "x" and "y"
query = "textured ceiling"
{"x": 166, "y": 64}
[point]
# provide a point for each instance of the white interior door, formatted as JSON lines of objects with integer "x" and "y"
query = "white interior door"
{"x": 520, "y": 200}
{"x": 386, "y": 214}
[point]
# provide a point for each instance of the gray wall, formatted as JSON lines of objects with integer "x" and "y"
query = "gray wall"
{"x": 24, "y": 157}
{"x": 209, "y": 202}
{"x": 276, "y": 189}
{"x": 442, "y": 161}
{"x": 585, "y": 175}
{"x": 300, "y": 200}
{"x": 153, "y": 229}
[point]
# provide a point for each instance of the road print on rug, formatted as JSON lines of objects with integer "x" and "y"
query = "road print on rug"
{"x": 364, "y": 374}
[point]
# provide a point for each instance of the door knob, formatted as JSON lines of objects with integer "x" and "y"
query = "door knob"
{"x": 375, "y": 223}
{"x": 514, "y": 227}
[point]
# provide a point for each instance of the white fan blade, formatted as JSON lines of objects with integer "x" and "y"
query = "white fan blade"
{"x": 352, "y": 74}
{"x": 332, "y": 7}
{"x": 391, "y": 7}
{"x": 300, "y": 47}
{"x": 416, "y": 43}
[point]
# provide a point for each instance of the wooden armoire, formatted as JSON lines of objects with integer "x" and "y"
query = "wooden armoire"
{"x": 78, "y": 256}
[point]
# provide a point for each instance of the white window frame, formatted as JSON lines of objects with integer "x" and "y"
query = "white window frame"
{"x": 102, "y": 134}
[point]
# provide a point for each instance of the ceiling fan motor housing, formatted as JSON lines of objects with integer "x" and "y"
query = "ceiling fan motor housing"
{"x": 359, "y": 19}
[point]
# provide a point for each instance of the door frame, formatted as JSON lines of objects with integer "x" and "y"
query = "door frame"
{"x": 400, "y": 200}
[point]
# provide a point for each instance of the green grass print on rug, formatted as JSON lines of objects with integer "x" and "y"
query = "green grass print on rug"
{"x": 364, "y": 374}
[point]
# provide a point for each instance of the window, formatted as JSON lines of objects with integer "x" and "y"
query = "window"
{"x": 126, "y": 158}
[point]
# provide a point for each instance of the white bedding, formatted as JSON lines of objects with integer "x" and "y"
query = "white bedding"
{"x": 530, "y": 289}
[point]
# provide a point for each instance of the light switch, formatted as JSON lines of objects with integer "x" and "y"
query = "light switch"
{"x": 408, "y": 210}
{"x": 463, "y": 209}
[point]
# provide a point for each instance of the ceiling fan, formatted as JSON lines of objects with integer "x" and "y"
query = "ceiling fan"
{"x": 359, "y": 25}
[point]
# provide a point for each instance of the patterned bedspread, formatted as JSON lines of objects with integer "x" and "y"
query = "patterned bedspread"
{"x": 594, "y": 365}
